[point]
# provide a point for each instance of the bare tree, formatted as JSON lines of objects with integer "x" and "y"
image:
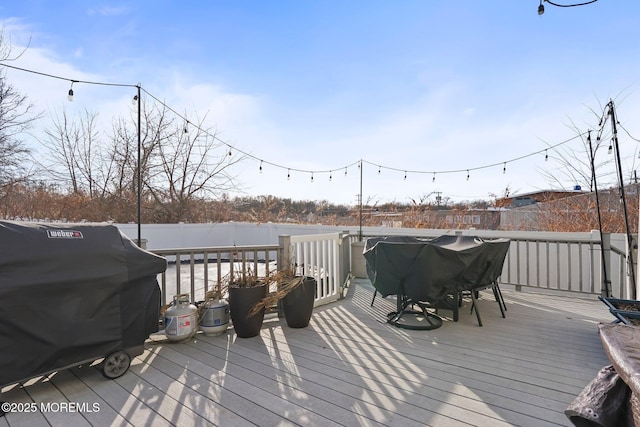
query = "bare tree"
{"x": 16, "y": 118}
{"x": 192, "y": 165}
{"x": 75, "y": 153}
{"x": 576, "y": 166}
{"x": 181, "y": 164}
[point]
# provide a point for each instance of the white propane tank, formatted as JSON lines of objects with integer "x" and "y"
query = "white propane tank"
{"x": 214, "y": 315}
{"x": 181, "y": 319}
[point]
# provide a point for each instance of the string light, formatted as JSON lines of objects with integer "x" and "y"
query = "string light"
{"x": 541, "y": 6}
{"x": 230, "y": 153}
{"x": 345, "y": 171}
{"x": 134, "y": 101}
{"x": 405, "y": 175}
{"x": 379, "y": 170}
{"x": 434, "y": 177}
{"x": 288, "y": 174}
{"x": 610, "y": 149}
{"x": 504, "y": 168}
{"x": 70, "y": 95}
{"x": 311, "y": 176}
{"x": 330, "y": 175}
{"x": 467, "y": 174}
{"x": 186, "y": 127}
{"x": 260, "y": 166}
{"x": 546, "y": 156}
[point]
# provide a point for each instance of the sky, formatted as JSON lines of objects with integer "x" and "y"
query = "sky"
{"x": 461, "y": 99}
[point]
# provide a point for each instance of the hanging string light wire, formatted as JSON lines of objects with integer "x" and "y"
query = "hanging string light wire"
{"x": 289, "y": 168}
{"x": 492, "y": 165}
{"x": 570, "y": 5}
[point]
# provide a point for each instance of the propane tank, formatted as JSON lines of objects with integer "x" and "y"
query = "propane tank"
{"x": 181, "y": 319}
{"x": 214, "y": 315}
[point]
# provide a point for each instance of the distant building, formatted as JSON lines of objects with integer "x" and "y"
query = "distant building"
{"x": 542, "y": 196}
{"x": 457, "y": 219}
{"x": 570, "y": 210}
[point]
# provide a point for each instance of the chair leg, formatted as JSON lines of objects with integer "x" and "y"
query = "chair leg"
{"x": 498, "y": 295}
{"x": 474, "y": 306}
{"x": 501, "y": 297}
{"x": 374, "y": 297}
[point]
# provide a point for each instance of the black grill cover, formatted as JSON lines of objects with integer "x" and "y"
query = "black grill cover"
{"x": 430, "y": 269}
{"x": 72, "y": 293}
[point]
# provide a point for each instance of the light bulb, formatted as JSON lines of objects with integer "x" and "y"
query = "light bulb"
{"x": 540, "y": 8}
{"x": 70, "y": 97}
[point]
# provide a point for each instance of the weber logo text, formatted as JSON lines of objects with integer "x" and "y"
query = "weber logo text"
{"x": 64, "y": 234}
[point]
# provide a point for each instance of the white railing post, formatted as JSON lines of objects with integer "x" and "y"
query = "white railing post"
{"x": 284, "y": 252}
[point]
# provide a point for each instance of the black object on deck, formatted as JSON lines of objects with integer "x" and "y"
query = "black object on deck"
{"x": 70, "y": 294}
{"x": 433, "y": 273}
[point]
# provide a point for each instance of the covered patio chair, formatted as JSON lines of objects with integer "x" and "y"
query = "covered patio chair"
{"x": 433, "y": 273}
{"x": 418, "y": 272}
{"x": 484, "y": 274}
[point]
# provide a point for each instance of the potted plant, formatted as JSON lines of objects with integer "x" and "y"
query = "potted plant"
{"x": 245, "y": 292}
{"x": 294, "y": 294}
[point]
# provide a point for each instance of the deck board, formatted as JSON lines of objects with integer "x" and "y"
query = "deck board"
{"x": 351, "y": 368}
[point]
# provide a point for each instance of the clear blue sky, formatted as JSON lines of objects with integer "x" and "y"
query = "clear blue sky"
{"x": 414, "y": 85}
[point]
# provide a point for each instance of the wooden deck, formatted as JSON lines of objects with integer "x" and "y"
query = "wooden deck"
{"x": 348, "y": 368}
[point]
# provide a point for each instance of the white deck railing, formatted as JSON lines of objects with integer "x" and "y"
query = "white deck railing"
{"x": 196, "y": 270}
{"x": 571, "y": 262}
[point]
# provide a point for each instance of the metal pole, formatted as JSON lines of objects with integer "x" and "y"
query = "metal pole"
{"x": 139, "y": 174}
{"x": 360, "y": 232}
{"x": 614, "y": 129}
{"x": 606, "y": 290}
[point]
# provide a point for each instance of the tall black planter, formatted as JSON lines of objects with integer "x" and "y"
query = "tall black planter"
{"x": 298, "y": 303}
{"x": 241, "y": 300}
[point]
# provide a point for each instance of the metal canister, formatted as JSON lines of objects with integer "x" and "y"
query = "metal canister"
{"x": 214, "y": 314}
{"x": 181, "y": 319}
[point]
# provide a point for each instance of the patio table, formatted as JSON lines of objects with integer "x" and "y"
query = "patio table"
{"x": 430, "y": 273}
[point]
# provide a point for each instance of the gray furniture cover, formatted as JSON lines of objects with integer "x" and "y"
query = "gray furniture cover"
{"x": 71, "y": 293}
{"x": 430, "y": 270}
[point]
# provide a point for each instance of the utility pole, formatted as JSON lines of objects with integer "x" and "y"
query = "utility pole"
{"x": 438, "y": 197}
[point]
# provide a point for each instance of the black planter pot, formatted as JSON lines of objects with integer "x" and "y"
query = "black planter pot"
{"x": 241, "y": 300}
{"x": 298, "y": 303}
